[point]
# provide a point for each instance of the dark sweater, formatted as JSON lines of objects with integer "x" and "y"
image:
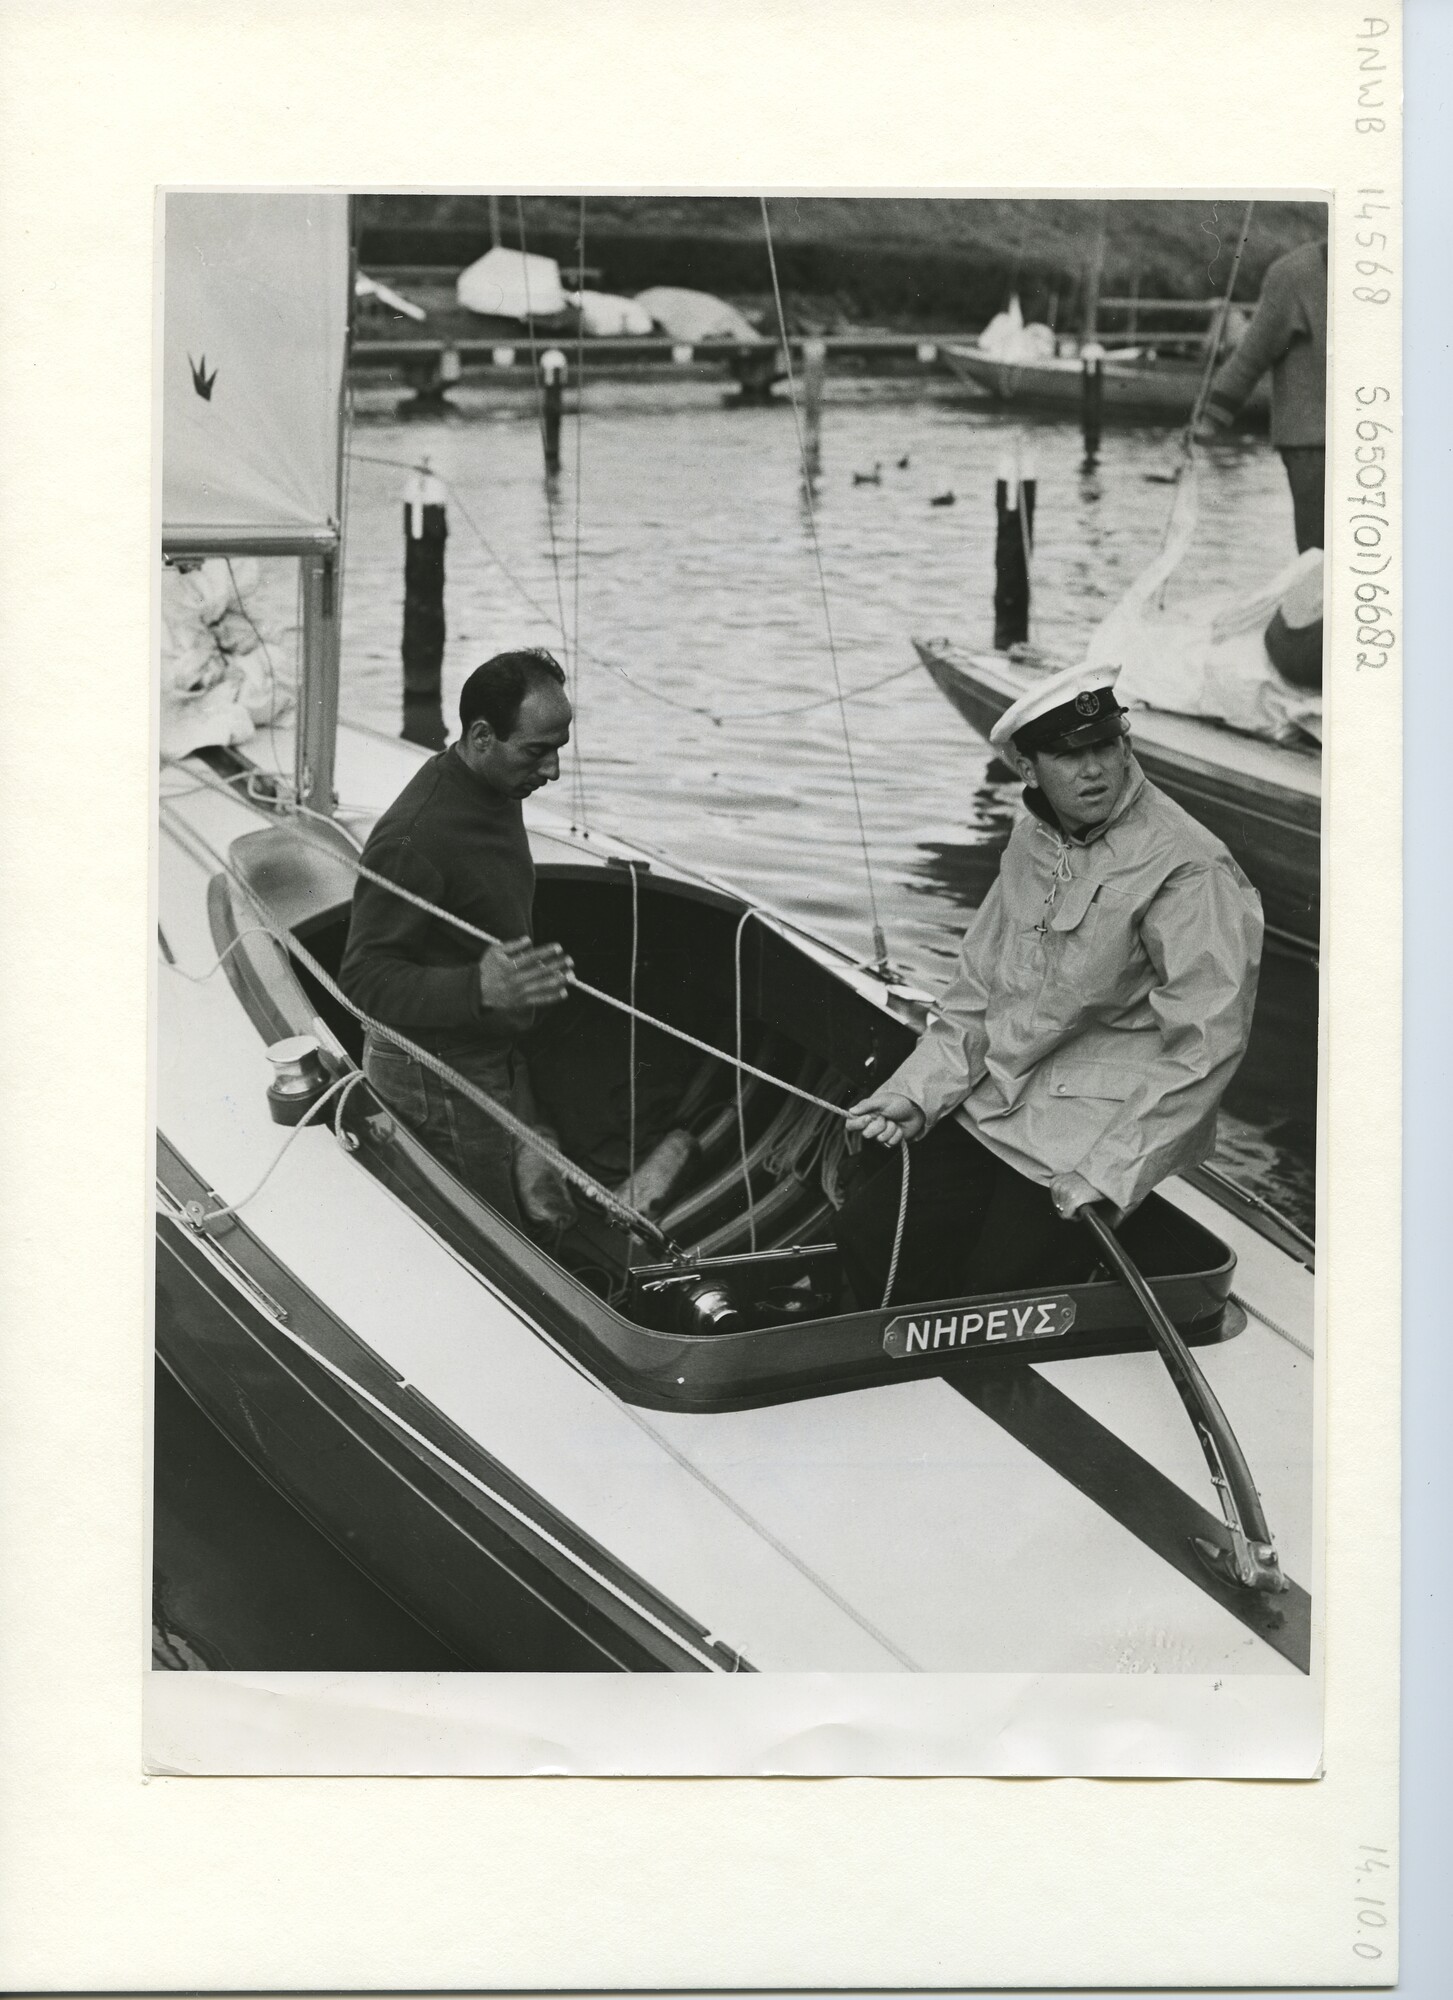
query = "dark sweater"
{"x": 450, "y": 838}
{"x": 1288, "y": 335}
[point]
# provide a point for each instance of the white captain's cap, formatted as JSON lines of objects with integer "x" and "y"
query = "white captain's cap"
{"x": 1065, "y": 712}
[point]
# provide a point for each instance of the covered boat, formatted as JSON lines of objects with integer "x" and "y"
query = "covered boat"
{"x": 1214, "y": 723}
{"x": 659, "y": 1443}
{"x": 1264, "y": 800}
{"x": 1138, "y": 385}
{"x": 604, "y": 316}
{"x": 694, "y": 316}
{"x": 512, "y": 284}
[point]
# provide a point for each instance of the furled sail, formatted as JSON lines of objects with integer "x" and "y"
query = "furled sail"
{"x": 255, "y": 328}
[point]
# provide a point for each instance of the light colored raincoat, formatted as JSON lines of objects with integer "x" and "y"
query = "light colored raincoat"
{"x": 1102, "y": 1001}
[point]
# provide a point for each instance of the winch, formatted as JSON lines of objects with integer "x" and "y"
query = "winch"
{"x": 299, "y": 1078}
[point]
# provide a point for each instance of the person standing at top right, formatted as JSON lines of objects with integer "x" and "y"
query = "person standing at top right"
{"x": 1288, "y": 335}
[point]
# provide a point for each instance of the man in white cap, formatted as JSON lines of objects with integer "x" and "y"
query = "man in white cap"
{"x": 1102, "y": 1002}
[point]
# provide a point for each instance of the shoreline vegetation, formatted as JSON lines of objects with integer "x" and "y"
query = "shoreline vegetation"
{"x": 901, "y": 264}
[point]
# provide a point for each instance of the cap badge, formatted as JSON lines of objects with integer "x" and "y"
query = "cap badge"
{"x": 1088, "y": 703}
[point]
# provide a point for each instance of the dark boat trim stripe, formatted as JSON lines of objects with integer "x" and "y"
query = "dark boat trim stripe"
{"x": 1134, "y": 1493}
{"x": 487, "y": 1484}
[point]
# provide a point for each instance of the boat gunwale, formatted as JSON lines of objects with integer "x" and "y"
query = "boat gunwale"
{"x": 272, "y": 1306}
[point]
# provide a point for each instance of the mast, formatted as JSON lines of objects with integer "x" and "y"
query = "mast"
{"x": 315, "y": 747}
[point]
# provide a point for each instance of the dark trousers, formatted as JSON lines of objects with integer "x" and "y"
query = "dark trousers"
{"x": 1306, "y": 466}
{"x": 474, "y": 1147}
{"x": 974, "y": 1225}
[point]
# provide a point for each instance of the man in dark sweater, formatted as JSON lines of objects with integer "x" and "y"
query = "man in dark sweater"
{"x": 1288, "y": 335}
{"x": 455, "y": 835}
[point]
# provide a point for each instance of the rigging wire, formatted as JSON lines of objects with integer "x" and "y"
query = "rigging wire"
{"x": 746, "y": 918}
{"x": 540, "y": 418}
{"x": 610, "y": 666}
{"x": 461, "y": 924}
{"x": 879, "y": 942}
{"x": 578, "y": 763}
{"x": 1188, "y": 436}
{"x": 631, "y": 1051}
{"x": 618, "y": 1210}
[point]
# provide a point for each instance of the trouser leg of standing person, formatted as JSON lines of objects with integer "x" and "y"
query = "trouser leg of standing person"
{"x": 472, "y": 1145}
{"x": 974, "y": 1225}
{"x": 1306, "y": 468}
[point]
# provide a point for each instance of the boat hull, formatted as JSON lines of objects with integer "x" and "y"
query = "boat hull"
{"x": 1131, "y": 392}
{"x": 1230, "y": 784}
{"x": 251, "y": 1347}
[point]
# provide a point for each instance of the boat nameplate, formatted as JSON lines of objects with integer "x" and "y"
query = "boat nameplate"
{"x": 980, "y": 1324}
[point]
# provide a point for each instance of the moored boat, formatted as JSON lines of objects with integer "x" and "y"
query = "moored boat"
{"x": 1137, "y": 385}
{"x": 1264, "y": 800}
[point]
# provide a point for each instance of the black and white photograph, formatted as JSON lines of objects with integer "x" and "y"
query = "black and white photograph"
{"x": 738, "y": 893}
{"x": 705, "y": 887}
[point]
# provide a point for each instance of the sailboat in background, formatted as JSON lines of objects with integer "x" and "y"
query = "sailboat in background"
{"x": 657, "y": 1444}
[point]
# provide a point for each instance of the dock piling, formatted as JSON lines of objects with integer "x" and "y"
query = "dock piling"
{"x": 553, "y": 369}
{"x": 814, "y": 373}
{"x": 1092, "y": 398}
{"x": 1015, "y": 490}
{"x": 426, "y": 529}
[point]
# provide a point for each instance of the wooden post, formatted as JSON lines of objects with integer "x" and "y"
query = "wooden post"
{"x": 1014, "y": 497}
{"x": 814, "y": 372}
{"x": 552, "y": 373}
{"x": 1090, "y": 329}
{"x": 1092, "y": 396}
{"x": 426, "y": 529}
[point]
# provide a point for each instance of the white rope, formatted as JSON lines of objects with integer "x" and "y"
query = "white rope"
{"x": 898, "y": 1232}
{"x": 879, "y": 943}
{"x": 232, "y": 1208}
{"x": 1292, "y": 1340}
{"x": 201, "y": 978}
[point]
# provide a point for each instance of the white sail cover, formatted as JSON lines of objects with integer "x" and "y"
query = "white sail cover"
{"x": 1208, "y": 656}
{"x": 688, "y": 315}
{"x": 604, "y": 316}
{"x": 508, "y": 284}
{"x": 255, "y": 331}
